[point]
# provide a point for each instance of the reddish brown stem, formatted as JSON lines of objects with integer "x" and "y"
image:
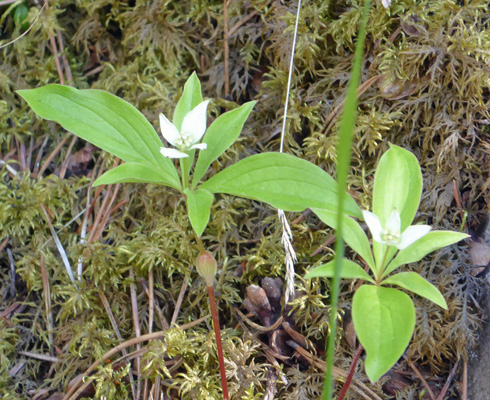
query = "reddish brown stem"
{"x": 217, "y": 333}
{"x": 350, "y": 374}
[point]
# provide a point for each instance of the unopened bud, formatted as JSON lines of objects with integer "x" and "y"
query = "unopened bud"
{"x": 206, "y": 266}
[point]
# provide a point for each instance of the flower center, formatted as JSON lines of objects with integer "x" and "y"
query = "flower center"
{"x": 390, "y": 236}
{"x": 184, "y": 141}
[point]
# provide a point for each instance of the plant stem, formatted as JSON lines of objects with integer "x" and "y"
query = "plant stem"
{"x": 344, "y": 150}
{"x": 383, "y": 266}
{"x": 217, "y": 333}
{"x": 199, "y": 242}
{"x": 350, "y": 374}
{"x": 185, "y": 173}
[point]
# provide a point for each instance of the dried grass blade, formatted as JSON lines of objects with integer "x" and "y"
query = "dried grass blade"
{"x": 52, "y": 156}
{"x": 178, "y": 304}
{"x": 64, "y": 166}
{"x": 47, "y": 304}
{"x": 108, "y": 310}
{"x": 137, "y": 331}
{"x": 287, "y": 237}
{"x": 59, "y": 246}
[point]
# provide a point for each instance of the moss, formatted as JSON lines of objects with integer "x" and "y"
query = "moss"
{"x": 426, "y": 67}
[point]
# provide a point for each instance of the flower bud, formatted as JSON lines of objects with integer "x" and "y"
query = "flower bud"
{"x": 206, "y": 266}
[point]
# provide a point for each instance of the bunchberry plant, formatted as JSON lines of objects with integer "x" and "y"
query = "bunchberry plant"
{"x": 109, "y": 122}
{"x": 281, "y": 180}
{"x": 384, "y": 317}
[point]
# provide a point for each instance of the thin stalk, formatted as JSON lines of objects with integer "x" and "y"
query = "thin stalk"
{"x": 217, "y": 334}
{"x": 185, "y": 173}
{"x": 199, "y": 242}
{"x": 383, "y": 266}
{"x": 344, "y": 151}
{"x": 350, "y": 374}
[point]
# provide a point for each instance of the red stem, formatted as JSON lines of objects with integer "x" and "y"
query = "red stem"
{"x": 352, "y": 368}
{"x": 217, "y": 333}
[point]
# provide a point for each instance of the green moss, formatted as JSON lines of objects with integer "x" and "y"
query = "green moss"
{"x": 429, "y": 93}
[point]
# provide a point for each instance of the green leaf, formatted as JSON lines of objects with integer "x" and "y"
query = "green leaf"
{"x": 281, "y": 180}
{"x": 418, "y": 285}
{"x": 191, "y": 97}
{"x": 133, "y": 172}
{"x": 222, "y": 133}
{"x": 384, "y": 319}
{"x": 354, "y": 235}
{"x": 397, "y": 184}
{"x": 199, "y": 207}
{"x": 104, "y": 120}
{"x": 350, "y": 270}
{"x": 427, "y": 244}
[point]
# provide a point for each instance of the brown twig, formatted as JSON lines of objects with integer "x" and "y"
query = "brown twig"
{"x": 226, "y": 48}
{"x": 43, "y": 357}
{"x": 459, "y": 203}
{"x": 456, "y": 195}
{"x": 3, "y": 244}
{"x": 151, "y": 300}
{"x": 337, "y": 373}
{"x": 52, "y": 156}
{"x": 448, "y": 382}
{"x": 66, "y": 64}
{"x": 137, "y": 330}
{"x": 29, "y": 153}
{"x": 362, "y": 88}
{"x": 12, "y": 273}
{"x": 39, "y": 156}
{"x": 99, "y": 216}
{"x": 464, "y": 396}
{"x": 301, "y": 217}
{"x": 235, "y": 27}
{"x": 260, "y": 328}
{"x": 144, "y": 338}
{"x": 118, "y": 205}
{"x": 55, "y": 52}
{"x": 163, "y": 320}
{"x": 64, "y": 165}
{"x": 422, "y": 379}
{"x": 106, "y": 214}
{"x": 22, "y": 157}
{"x": 217, "y": 333}
{"x": 178, "y": 304}
{"x": 47, "y": 304}
{"x": 329, "y": 240}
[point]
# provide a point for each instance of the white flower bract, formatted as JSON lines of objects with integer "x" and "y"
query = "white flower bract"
{"x": 191, "y": 132}
{"x": 390, "y": 234}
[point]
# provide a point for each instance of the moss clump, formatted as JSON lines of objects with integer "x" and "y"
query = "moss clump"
{"x": 425, "y": 88}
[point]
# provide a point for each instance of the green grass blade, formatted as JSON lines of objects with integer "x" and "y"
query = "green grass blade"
{"x": 344, "y": 150}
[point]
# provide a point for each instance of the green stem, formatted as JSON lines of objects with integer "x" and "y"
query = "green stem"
{"x": 383, "y": 266}
{"x": 217, "y": 333}
{"x": 344, "y": 150}
{"x": 185, "y": 173}
{"x": 200, "y": 245}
